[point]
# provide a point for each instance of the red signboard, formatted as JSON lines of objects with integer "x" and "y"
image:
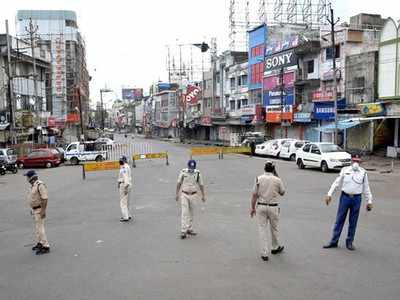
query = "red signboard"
{"x": 319, "y": 95}
{"x": 275, "y": 115}
{"x": 73, "y": 118}
{"x": 192, "y": 93}
{"x": 206, "y": 121}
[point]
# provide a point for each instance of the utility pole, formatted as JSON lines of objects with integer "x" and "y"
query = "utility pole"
{"x": 332, "y": 22}
{"x": 78, "y": 93}
{"x": 10, "y": 88}
{"x": 133, "y": 105}
{"x": 102, "y": 109}
{"x": 32, "y": 30}
{"x": 282, "y": 86}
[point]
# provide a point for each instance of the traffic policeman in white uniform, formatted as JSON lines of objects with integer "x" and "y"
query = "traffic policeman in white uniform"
{"x": 265, "y": 204}
{"x": 190, "y": 184}
{"x": 353, "y": 182}
{"x": 124, "y": 186}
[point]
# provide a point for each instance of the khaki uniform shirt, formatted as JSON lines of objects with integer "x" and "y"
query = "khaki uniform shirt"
{"x": 268, "y": 188}
{"x": 125, "y": 175}
{"x": 38, "y": 194}
{"x": 190, "y": 181}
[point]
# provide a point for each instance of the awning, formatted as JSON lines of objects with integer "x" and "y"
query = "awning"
{"x": 341, "y": 125}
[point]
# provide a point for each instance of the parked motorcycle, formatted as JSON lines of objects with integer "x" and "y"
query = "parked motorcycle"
{"x": 2, "y": 169}
{"x": 11, "y": 167}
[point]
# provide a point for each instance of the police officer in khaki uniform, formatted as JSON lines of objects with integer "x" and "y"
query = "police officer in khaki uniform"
{"x": 264, "y": 203}
{"x": 124, "y": 187}
{"x": 190, "y": 183}
{"x": 38, "y": 198}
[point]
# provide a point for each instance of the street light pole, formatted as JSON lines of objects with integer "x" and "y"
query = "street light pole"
{"x": 335, "y": 83}
{"x": 102, "y": 109}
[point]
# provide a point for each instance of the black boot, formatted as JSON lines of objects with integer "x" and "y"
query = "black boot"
{"x": 43, "y": 250}
{"x": 37, "y": 247}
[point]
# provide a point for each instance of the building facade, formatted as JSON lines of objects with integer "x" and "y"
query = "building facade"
{"x": 58, "y": 31}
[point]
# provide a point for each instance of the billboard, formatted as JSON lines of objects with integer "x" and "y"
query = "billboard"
{"x": 132, "y": 94}
{"x": 192, "y": 92}
{"x": 273, "y": 92}
{"x": 280, "y": 60}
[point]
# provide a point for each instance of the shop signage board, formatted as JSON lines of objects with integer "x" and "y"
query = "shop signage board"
{"x": 279, "y": 60}
{"x": 302, "y": 117}
{"x": 372, "y": 109}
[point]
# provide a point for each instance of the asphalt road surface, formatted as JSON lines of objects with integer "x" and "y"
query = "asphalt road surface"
{"x": 94, "y": 256}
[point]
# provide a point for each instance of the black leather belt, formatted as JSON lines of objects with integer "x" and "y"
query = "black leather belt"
{"x": 351, "y": 196}
{"x": 267, "y": 204}
{"x": 189, "y": 193}
{"x": 36, "y": 207}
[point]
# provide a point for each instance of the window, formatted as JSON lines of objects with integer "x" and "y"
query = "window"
{"x": 239, "y": 104}
{"x": 244, "y": 79}
{"x": 359, "y": 82}
{"x": 327, "y": 148}
{"x": 310, "y": 66}
{"x": 232, "y": 105}
{"x": 72, "y": 147}
{"x": 298, "y": 144}
{"x": 306, "y": 148}
{"x": 245, "y": 102}
{"x": 257, "y": 72}
{"x": 239, "y": 81}
{"x": 315, "y": 150}
{"x": 233, "y": 83}
{"x": 329, "y": 52}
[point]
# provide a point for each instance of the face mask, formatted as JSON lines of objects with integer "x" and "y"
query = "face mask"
{"x": 355, "y": 166}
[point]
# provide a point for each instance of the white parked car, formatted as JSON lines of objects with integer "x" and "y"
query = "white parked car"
{"x": 289, "y": 149}
{"x": 271, "y": 148}
{"x": 105, "y": 141}
{"x": 326, "y": 156}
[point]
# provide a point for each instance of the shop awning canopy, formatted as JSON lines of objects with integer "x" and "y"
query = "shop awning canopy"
{"x": 342, "y": 125}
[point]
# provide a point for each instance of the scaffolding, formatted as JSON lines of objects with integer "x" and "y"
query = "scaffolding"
{"x": 245, "y": 14}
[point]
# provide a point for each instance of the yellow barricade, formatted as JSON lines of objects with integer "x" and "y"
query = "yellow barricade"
{"x": 99, "y": 166}
{"x": 204, "y": 150}
{"x": 161, "y": 155}
{"x": 236, "y": 150}
{"x": 218, "y": 150}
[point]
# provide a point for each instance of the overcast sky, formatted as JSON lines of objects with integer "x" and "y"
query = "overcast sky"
{"x": 126, "y": 38}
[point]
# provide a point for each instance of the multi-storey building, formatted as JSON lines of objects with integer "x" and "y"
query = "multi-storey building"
{"x": 58, "y": 31}
{"x": 29, "y": 112}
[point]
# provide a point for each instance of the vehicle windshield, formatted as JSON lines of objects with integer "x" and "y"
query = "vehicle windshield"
{"x": 326, "y": 148}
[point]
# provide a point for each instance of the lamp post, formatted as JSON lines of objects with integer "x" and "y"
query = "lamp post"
{"x": 105, "y": 90}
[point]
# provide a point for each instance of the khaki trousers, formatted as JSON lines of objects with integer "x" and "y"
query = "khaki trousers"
{"x": 39, "y": 228}
{"x": 187, "y": 212}
{"x": 267, "y": 214}
{"x": 124, "y": 200}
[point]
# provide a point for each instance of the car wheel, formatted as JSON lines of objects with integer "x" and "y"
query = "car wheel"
{"x": 48, "y": 165}
{"x": 20, "y": 165}
{"x": 15, "y": 170}
{"x": 292, "y": 157}
{"x": 74, "y": 161}
{"x": 324, "y": 167}
{"x": 2, "y": 172}
{"x": 300, "y": 164}
{"x": 99, "y": 158}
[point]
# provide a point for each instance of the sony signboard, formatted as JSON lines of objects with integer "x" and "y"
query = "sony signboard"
{"x": 280, "y": 60}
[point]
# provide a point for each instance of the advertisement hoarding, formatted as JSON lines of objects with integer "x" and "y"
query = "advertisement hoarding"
{"x": 274, "y": 113}
{"x": 132, "y": 94}
{"x": 280, "y": 60}
{"x": 272, "y": 89}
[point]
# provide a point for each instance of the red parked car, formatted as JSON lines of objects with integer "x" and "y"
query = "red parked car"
{"x": 40, "y": 158}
